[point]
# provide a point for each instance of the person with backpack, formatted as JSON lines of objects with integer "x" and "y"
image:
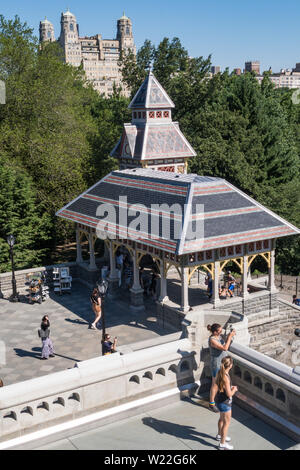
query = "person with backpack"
{"x": 44, "y": 334}
{"x": 224, "y": 402}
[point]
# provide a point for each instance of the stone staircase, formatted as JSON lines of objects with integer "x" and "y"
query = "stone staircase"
{"x": 269, "y": 328}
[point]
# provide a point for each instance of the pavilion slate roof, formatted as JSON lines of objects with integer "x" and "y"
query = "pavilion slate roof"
{"x": 208, "y": 212}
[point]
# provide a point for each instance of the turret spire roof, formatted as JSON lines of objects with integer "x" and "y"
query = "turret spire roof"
{"x": 151, "y": 95}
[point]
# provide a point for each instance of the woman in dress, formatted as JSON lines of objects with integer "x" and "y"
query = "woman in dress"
{"x": 217, "y": 349}
{"x": 96, "y": 306}
{"x": 44, "y": 334}
{"x": 224, "y": 402}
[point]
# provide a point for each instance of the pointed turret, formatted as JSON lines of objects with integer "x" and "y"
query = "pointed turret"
{"x": 151, "y": 95}
{"x": 153, "y": 140}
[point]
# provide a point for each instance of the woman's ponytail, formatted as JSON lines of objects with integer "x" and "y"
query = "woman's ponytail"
{"x": 225, "y": 364}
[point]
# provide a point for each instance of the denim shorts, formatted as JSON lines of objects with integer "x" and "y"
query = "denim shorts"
{"x": 223, "y": 407}
{"x": 214, "y": 372}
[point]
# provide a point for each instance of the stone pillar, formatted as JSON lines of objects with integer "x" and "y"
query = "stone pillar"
{"x": 78, "y": 246}
{"x": 92, "y": 265}
{"x": 245, "y": 277}
{"x": 215, "y": 292}
{"x": 271, "y": 282}
{"x": 184, "y": 289}
{"x": 113, "y": 279}
{"x": 163, "y": 284}
{"x": 137, "y": 293}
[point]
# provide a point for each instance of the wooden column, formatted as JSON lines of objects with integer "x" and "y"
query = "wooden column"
{"x": 184, "y": 289}
{"x": 78, "y": 246}
{"x": 163, "y": 282}
{"x": 137, "y": 293}
{"x": 245, "y": 277}
{"x": 215, "y": 292}
{"x": 112, "y": 261}
{"x": 92, "y": 265}
{"x": 271, "y": 281}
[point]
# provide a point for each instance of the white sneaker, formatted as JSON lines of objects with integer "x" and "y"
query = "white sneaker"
{"x": 225, "y": 446}
{"x": 218, "y": 437}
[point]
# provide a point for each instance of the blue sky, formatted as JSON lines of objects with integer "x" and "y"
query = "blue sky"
{"x": 233, "y": 31}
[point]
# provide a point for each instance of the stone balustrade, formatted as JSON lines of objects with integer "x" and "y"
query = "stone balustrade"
{"x": 95, "y": 384}
{"x": 270, "y": 384}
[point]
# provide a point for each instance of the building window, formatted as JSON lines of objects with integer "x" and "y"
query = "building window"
{"x": 166, "y": 114}
{"x": 140, "y": 115}
{"x": 158, "y": 114}
{"x": 152, "y": 115}
{"x": 71, "y": 27}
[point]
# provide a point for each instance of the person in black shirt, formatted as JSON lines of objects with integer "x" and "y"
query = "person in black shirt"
{"x": 44, "y": 334}
{"x": 224, "y": 402}
{"x": 108, "y": 346}
{"x": 96, "y": 306}
{"x": 153, "y": 284}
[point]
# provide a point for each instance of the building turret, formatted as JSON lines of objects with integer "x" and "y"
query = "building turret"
{"x": 125, "y": 35}
{"x": 69, "y": 32}
{"x": 152, "y": 140}
{"x": 46, "y": 31}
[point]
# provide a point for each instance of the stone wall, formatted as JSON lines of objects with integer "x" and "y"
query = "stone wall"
{"x": 79, "y": 272}
{"x": 267, "y": 389}
{"x": 92, "y": 385}
{"x": 169, "y": 316}
{"x": 260, "y": 301}
{"x": 270, "y": 334}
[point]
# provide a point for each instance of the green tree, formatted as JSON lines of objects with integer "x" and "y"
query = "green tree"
{"x": 21, "y": 215}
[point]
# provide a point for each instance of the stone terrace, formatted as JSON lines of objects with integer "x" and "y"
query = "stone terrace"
{"x": 69, "y": 317}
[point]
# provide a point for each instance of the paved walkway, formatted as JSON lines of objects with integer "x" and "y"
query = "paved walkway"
{"x": 186, "y": 426}
{"x": 69, "y": 317}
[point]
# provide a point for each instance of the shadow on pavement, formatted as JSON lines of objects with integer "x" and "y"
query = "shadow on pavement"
{"x": 36, "y": 353}
{"x": 179, "y": 431}
{"x": 251, "y": 422}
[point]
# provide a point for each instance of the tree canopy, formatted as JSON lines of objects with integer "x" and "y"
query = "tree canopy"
{"x": 242, "y": 131}
{"x": 56, "y": 134}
